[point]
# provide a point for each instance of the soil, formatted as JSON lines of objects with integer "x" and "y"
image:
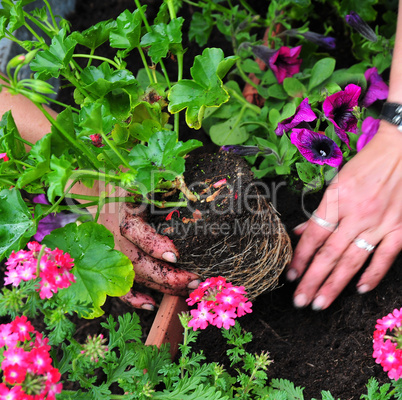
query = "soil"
{"x": 227, "y": 225}
{"x": 327, "y": 350}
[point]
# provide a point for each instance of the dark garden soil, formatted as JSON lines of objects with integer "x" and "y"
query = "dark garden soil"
{"x": 327, "y": 350}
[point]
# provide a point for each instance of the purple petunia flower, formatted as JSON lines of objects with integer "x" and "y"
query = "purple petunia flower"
{"x": 52, "y": 221}
{"x": 327, "y": 42}
{"x": 316, "y": 147}
{"x": 283, "y": 62}
{"x": 369, "y": 128}
{"x": 377, "y": 89}
{"x": 303, "y": 113}
{"x": 356, "y": 22}
{"x": 339, "y": 107}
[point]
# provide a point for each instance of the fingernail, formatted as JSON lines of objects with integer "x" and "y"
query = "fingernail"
{"x": 194, "y": 284}
{"x": 148, "y": 306}
{"x": 292, "y": 275}
{"x": 319, "y": 303}
{"x": 169, "y": 257}
{"x": 299, "y": 226}
{"x": 300, "y": 300}
{"x": 363, "y": 288}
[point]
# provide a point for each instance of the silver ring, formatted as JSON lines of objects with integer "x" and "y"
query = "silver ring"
{"x": 323, "y": 223}
{"x": 362, "y": 244}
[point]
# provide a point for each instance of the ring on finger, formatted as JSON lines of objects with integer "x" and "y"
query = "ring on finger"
{"x": 323, "y": 223}
{"x": 363, "y": 244}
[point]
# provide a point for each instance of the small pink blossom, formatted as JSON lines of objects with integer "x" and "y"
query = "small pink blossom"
{"x": 4, "y": 156}
{"x": 218, "y": 303}
{"x": 387, "y": 353}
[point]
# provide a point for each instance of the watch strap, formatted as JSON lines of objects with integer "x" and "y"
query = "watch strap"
{"x": 392, "y": 113}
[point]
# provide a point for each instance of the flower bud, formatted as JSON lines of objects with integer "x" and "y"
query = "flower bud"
{"x": 356, "y": 22}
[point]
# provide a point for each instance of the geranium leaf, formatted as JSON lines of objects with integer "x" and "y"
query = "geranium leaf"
{"x": 205, "y": 90}
{"x": 161, "y": 159}
{"x": 49, "y": 63}
{"x": 58, "y": 177}
{"x": 95, "y": 118}
{"x": 228, "y": 132}
{"x": 162, "y": 38}
{"x": 98, "y": 268}
{"x": 126, "y": 33}
{"x": 9, "y": 137}
{"x": 39, "y": 155}
{"x": 94, "y": 36}
{"x": 16, "y": 223}
{"x": 102, "y": 80}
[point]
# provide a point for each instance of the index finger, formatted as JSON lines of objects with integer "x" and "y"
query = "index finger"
{"x": 136, "y": 230}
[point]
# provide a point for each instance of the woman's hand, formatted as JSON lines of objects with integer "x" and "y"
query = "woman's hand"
{"x": 365, "y": 202}
{"x": 152, "y": 254}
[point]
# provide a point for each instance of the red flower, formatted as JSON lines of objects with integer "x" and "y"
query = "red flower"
{"x": 4, "y": 156}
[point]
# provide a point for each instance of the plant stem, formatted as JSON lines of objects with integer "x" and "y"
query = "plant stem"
{"x": 72, "y": 140}
{"x": 242, "y": 100}
{"x": 91, "y": 56}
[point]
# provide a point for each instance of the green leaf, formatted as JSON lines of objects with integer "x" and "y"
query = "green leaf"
{"x": 40, "y": 157}
{"x": 102, "y": 80}
{"x": 94, "y": 36}
{"x": 162, "y": 38}
{"x": 95, "y": 118}
{"x": 205, "y": 90}
{"x": 200, "y": 28}
{"x": 16, "y": 223}
{"x": 293, "y": 87}
{"x": 228, "y": 132}
{"x": 9, "y": 135}
{"x": 57, "y": 179}
{"x": 307, "y": 171}
{"x": 126, "y": 34}
{"x": 49, "y": 63}
{"x": 98, "y": 268}
{"x": 161, "y": 159}
{"x": 321, "y": 71}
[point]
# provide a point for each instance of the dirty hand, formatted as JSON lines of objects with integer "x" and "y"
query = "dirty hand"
{"x": 361, "y": 208}
{"x": 151, "y": 254}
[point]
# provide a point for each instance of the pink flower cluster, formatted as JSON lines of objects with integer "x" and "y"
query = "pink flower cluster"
{"x": 219, "y": 303}
{"x": 53, "y": 270}
{"x": 388, "y": 352}
{"x": 27, "y": 368}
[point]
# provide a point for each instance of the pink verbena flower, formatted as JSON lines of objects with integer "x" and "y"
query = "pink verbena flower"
{"x": 388, "y": 353}
{"x": 218, "y": 303}
{"x": 26, "y": 359}
{"x": 54, "y": 269}
{"x": 4, "y": 156}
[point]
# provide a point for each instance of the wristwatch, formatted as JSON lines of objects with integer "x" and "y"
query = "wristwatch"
{"x": 392, "y": 112}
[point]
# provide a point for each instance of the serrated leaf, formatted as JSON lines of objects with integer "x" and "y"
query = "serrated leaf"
{"x": 103, "y": 79}
{"x": 58, "y": 177}
{"x": 94, "y": 36}
{"x": 162, "y": 38}
{"x": 98, "y": 268}
{"x": 9, "y": 136}
{"x": 16, "y": 223}
{"x": 126, "y": 33}
{"x": 95, "y": 118}
{"x": 205, "y": 90}
{"x": 49, "y": 63}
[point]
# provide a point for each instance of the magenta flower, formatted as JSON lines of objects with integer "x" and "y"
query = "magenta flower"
{"x": 283, "y": 62}
{"x": 369, "y": 128}
{"x": 316, "y": 147}
{"x": 377, "y": 89}
{"x": 339, "y": 107}
{"x": 4, "y": 156}
{"x": 303, "y": 113}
